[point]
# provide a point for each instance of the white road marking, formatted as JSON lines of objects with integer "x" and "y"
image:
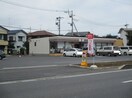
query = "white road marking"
{"x": 30, "y": 67}
{"x": 129, "y": 81}
{"x": 61, "y": 77}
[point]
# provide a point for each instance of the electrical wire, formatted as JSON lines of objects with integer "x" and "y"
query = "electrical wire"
{"x": 30, "y": 7}
{"x": 98, "y": 23}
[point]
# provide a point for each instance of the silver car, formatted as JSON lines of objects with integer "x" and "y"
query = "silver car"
{"x": 73, "y": 52}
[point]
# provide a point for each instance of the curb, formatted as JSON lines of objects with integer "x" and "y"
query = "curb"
{"x": 125, "y": 67}
{"x": 55, "y": 54}
{"x": 78, "y": 66}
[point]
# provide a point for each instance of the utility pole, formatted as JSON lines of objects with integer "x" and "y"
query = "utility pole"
{"x": 72, "y": 23}
{"x": 58, "y": 22}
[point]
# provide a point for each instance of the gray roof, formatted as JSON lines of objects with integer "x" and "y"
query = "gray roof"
{"x": 16, "y": 31}
{"x": 77, "y": 39}
{"x": 77, "y": 34}
{"x": 125, "y": 29}
{"x": 4, "y": 28}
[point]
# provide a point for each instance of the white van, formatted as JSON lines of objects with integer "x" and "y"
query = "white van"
{"x": 130, "y": 50}
{"x": 109, "y": 50}
{"x": 126, "y": 50}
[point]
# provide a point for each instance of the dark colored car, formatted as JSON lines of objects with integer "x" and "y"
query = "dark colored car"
{"x": 2, "y": 55}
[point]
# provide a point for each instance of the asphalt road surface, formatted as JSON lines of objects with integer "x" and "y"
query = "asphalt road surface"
{"x": 110, "y": 84}
{"x": 52, "y": 77}
{"x": 15, "y": 61}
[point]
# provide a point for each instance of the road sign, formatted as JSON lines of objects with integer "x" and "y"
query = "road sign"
{"x": 90, "y": 36}
{"x": 90, "y": 44}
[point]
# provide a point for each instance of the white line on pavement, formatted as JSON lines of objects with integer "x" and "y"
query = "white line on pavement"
{"x": 129, "y": 81}
{"x": 61, "y": 77}
{"x": 28, "y": 67}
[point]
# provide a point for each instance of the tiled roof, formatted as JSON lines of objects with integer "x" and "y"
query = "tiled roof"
{"x": 41, "y": 33}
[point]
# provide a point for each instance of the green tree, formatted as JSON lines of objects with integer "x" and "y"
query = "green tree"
{"x": 26, "y": 45}
{"x": 110, "y": 36}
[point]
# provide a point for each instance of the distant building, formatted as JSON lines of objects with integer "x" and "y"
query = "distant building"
{"x": 124, "y": 32}
{"x": 3, "y": 39}
{"x": 57, "y": 44}
{"x": 77, "y": 34}
{"x": 17, "y": 38}
{"x": 40, "y": 34}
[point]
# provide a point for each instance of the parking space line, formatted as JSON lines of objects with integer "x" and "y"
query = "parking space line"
{"x": 128, "y": 81}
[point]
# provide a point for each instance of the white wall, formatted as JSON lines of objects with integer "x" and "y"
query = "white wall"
{"x": 123, "y": 36}
{"x": 42, "y": 46}
{"x": 20, "y": 43}
{"x": 66, "y": 44}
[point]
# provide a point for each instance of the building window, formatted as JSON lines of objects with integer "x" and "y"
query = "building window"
{"x": 18, "y": 46}
{"x": 35, "y": 43}
{"x": 10, "y": 38}
{"x": 20, "y": 38}
{"x": 1, "y": 36}
{"x": 5, "y": 37}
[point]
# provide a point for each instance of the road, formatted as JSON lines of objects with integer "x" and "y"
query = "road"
{"x": 110, "y": 84}
{"x": 52, "y": 77}
{"x": 15, "y": 61}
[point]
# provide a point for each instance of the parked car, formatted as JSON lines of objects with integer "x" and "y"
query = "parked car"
{"x": 2, "y": 55}
{"x": 130, "y": 50}
{"x": 124, "y": 50}
{"x": 73, "y": 52}
{"x": 108, "y": 50}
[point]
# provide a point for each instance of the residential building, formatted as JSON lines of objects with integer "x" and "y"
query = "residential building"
{"x": 126, "y": 35}
{"x": 3, "y": 39}
{"x": 17, "y": 38}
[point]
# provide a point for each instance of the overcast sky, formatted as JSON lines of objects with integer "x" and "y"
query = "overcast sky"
{"x": 100, "y": 17}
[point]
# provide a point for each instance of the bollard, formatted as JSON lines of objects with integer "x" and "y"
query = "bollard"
{"x": 84, "y": 59}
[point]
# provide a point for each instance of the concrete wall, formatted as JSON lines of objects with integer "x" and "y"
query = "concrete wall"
{"x": 39, "y": 46}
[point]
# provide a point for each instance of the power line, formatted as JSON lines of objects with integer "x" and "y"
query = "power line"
{"x": 30, "y": 7}
{"x": 99, "y": 24}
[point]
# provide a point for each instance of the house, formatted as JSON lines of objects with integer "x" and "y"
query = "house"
{"x": 126, "y": 35}
{"x": 40, "y": 34}
{"x": 16, "y": 39}
{"x": 57, "y": 44}
{"x": 3, "y": 39}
